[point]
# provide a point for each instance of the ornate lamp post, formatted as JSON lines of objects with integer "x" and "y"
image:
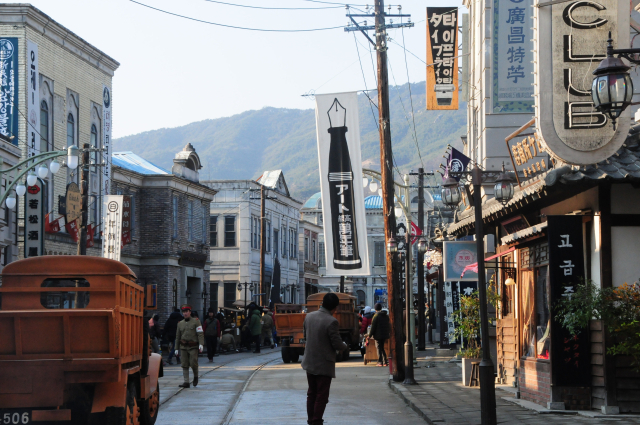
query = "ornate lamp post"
{"x": 451, "y": 197}
{"x": 246, "y": 285}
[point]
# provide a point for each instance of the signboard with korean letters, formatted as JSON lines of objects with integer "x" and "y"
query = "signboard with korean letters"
{"x": 34, "y": 220}
{"x": 442, "y": 61}
{"x": 112, "y": 219}
{"x": 570, "y": 354}
{"x": 512, "y": 56}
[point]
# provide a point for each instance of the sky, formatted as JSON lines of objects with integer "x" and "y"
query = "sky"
{"x": 174, "y": 71}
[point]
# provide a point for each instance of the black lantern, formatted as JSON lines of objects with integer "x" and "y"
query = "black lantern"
{"x": 612, "y": 88}
{"x": 392, "y": 245}
{"x": 503, "y": 189}
{"x": 450, "y": 192}
{"x": 422, "y": 246}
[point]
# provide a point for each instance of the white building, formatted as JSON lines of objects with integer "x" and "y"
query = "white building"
{"x": 235, "y": 236}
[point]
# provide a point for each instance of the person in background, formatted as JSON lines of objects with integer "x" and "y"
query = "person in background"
{"x": 322, "y": 342}
{"x": 211, "y": 333}
{"x": 189, "y": 340}
{"x": 267, "y": 329}
{"x": 154, "y": 333}
{"x": 169, "y": 335}
{"x": 380, "y": 331}
{"x": 228, "y": 342}
{"x": 367, "y": 316}
{"x": 255, "y": 327}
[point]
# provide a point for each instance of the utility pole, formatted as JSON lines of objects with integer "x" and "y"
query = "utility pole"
{"x": 342, "y": 284}
{"x": 263, "y": 245}
{"x": 84, "y": 196}
{"x": 420, "y": 262}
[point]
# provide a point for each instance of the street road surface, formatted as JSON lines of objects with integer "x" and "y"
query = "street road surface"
{"x": 247, "y": 388}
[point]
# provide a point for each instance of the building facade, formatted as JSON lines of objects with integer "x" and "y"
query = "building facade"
{"x": 234, "y": 227}
{"x": 169, "y": 227}
{"x": 310, "y": 258}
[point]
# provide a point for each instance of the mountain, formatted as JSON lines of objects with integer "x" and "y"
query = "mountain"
{"x": 242, "y": 146}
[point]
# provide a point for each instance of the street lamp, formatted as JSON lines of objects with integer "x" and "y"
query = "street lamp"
{"x": 503, "y": 189}
{"x": 487, "y": 380}
{"x": 246, "y": 286}
{"x": 32, "y": 179}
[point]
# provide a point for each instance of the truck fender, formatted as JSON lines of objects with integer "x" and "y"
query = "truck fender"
{"x": 155, "y": 367}
{"x": 108, "y": 394}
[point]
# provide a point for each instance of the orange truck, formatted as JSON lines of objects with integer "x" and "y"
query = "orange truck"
{"x": 289, "y": 319}
{"x": 74, "y": 344}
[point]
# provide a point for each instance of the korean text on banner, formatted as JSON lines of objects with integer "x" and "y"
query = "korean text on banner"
{"x": 345, "y": 230}
{"x": 33, "y": 102}
{"x": 112, "y": 243}
{"x": 9, "y": 88}
{"x": 442, "y": 62}
{"x": 106, "y": 142}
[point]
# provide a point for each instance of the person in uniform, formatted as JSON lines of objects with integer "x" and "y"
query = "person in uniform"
{"x": 189, "y": 342}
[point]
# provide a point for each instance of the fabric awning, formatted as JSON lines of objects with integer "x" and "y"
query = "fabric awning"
{"x": 474, "y": 267}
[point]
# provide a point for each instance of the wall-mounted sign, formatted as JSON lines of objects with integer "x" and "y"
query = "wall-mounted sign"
{"x": 73, "y": 203}
{"x": 126, "y": 220}
{"x": 9, "y": 88}
{"x": 112, "y": 219}
{"x": 457, "y": 256}
{"x": 528, "y": 156}
{"x": 33, "y": 100}
{"x": 570, "y": 40}
{"x": 34, "y": 220}
{"x": 442, "y": 53}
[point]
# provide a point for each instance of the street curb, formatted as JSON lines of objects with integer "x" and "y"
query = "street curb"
{"x": 411, "y": 401}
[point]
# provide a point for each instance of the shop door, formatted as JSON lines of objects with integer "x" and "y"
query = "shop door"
{"x": 507, "y": 334}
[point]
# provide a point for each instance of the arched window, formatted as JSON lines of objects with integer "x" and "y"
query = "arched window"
{"x": 44, "y": 127}
{"x": 71, "y": 139}
{"x": 361, "y": 297}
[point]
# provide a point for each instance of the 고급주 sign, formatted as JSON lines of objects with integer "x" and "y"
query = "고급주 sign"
{"x": 570, "y": 41}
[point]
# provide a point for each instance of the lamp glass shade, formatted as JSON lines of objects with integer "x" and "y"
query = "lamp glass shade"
{"x": 10, "y": 202}
{"x": 54, "y": 166}
{"x": 503, "y": 191}
{"x": 373, "y": 186}
{"x": 392, "y": 246}
{"x": 612, "y": 93}
{"x": 398, "y": 211}
{"x": 451, "y": 195}
{"x": 43, "y": 171}
{"x": 21, "y": 189}
{"x": 365, "y": 182}
{"x": 422, "y": 246}
{"x": 510, "y": 282}
{"x": 72, "y": 157}
{"x": 32, "y": 179}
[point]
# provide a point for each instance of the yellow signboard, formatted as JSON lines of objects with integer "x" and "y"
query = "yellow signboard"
{"x": 442, "y": 62}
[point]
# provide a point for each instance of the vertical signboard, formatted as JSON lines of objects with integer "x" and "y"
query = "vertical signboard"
{"x": 345, "y": 230}
{"x": 9, "y": 88}
{"x": 34, "y": 220}
{"x": 457, "y": 256}
{"x": 106, "y": 141}
{"x": 126, "y": 220}
{"x": 442, "y": 62}
{"x": 33, "y": 100}
{"x": 112, "y": 219}
{"x": 512, "y": 56}
{"x": 570, "y": 41}
{"x": 570, "y": 354}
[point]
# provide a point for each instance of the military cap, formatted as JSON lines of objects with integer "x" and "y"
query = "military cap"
{"x": 185, "y": 307}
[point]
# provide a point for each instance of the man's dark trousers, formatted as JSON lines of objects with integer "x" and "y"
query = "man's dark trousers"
{"x": 382, "y": 354}
{"x": 317, "y": 397}
{"x": 212, "y": 344}
{"x": 256, "y": 339}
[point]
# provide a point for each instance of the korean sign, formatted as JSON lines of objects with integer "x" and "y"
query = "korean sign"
{"x": 452, "y": 293}
{"x": 34, "y": 220}
{"x": 339, "y": 156}
{"x": 570, "y": 354}
{"x": 33, "y": 100}
{"x": 112, "y": 220}
{"x": 570, "y": 40}
{"x": 442, "y": 62}
{"x": 9, "y": 88}
{"x": 458, "y": 255}
{"x": 512, "y": 56}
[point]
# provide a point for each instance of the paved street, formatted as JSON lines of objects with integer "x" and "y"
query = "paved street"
{"x": 235, "y": 393}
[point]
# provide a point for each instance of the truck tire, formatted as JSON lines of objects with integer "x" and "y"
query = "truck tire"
{"x": 150, "y": 406}
{"x": 295, "y": 357}
{"x": 286, "y": 354}
{"x": 130, "y": 414}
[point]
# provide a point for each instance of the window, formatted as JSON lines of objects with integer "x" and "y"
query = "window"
{"x": 230, "y": 230}
{"x": 70, "y": 131}
{"x": 190, "y": 219}
{"x": 378, "y": 253}
{"x": 175, "y": 216}
{"x": 44, "y": 127}
{"x": 205, "y": 214}
{"x": 284, "y": 241}
{"x": 292, "y": 243}
{"x": 321, "y": 263}
{"x": 65, "y": 299}
{"x": 314, "y": 259}
{"x": 230, "y": 289}
{"x": 268, "y": 229}
{"x": 276, "y": 243}
{"x": 253, "y": 232}
{"x": 213, "y": 230}
{"x": 306, "y": 249}
{"x": 175, "y": 293}
{"x": 535, "y": 318}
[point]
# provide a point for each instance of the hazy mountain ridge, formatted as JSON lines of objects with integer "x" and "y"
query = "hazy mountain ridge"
{"x": 242, "y": 146}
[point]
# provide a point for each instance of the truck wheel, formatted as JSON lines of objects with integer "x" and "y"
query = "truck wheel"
{"x": 286, "y": 355}
{"x": 295, "y": 357}
{"x": 150, "y": 407}
{"x": 132, "y": 410}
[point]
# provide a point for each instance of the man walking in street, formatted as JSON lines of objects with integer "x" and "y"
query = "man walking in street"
{"x": 170, "y": 329}
{"x": 255, "y": 326}
{"x": 189, "y": 340}
{"x": 322, "y": 342}
{"x": 211, "y": 333}
{"x": 380, "y": 330}
{"x": 267, "y": 328}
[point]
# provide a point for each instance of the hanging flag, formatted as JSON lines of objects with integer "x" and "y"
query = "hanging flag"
{"x": 339, "y": 157}
{"x": 53, "y": 226}
{"x": 415, "y": 232}
{"x": 72, "y": 230}
{"x": 126, "y": 238}
{"x": 90, "y": 230}
{"x": 457, "y": 163}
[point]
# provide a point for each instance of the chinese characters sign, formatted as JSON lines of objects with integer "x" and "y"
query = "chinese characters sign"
{"x": 33, "y": 100}
{"x": 512, "y": 56}
{"x": 126, "y": 220}
{"x": 73, "y": 203}
{"x": 570, "y": 354}
{"x": 458, "y": 255}
{"x": 106, "y": 134}
{"x": 442, "y": 53}
{"x": 528, "y": 156}
{"x": 339, "y": 157}
{"x": 9, "y": 88}
{"x": 34, "y": 220}
{"x": 112, "y": 220}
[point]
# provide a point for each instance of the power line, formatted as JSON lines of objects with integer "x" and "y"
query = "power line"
{"x": 413, "y": 117}
{"x": 231, "y": 26}
{"x": 330, "y": 2}
{"x": 275, "y": 8}
{"x": 365, "y": 81}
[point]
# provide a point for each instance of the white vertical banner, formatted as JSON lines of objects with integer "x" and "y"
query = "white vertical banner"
{"x": 33, "y": 100}
{"x": 106, "y": 144}
{"x": 112, "y": 219}
{"x": 339, "y": 157}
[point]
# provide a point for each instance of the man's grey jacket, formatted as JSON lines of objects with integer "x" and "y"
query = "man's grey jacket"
{"x": 322, "y": 342}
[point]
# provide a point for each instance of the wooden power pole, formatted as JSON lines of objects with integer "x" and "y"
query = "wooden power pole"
{"x": 386, "y": 166}
{"x": 263, "y": 245}
{"x": 84, "y": 194}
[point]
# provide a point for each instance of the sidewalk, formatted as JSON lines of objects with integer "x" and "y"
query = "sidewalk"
{"x": 440, "y": 398}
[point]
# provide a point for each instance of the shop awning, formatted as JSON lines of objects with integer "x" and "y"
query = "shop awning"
{"x": 524, "y": 233}
{"x": 474, "y": 267}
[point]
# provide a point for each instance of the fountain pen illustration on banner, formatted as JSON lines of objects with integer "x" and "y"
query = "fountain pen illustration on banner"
{"x": 341, "y": 197}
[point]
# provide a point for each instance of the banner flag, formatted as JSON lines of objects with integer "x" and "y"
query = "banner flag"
{"x": 442, "y": 62}
{"x": 112, "y": 219}
{"x": 33, "y": 101}
{"x": 457, "y": 163}
{"x": 339, "y": 157}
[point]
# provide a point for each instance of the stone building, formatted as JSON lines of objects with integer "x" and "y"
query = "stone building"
{"x": 68, "y": 103}
{"x": 311, "y": 258}
{"x": 169, "y": 227}
{"x": 10, "y": 155}
{"x": 235, "y": 238}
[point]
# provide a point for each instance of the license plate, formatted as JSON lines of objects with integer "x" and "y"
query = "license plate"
{"x": 15, "y": 416}
{"x": 302, "y": 340}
